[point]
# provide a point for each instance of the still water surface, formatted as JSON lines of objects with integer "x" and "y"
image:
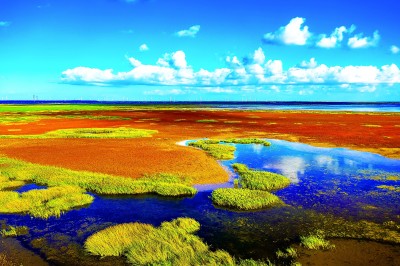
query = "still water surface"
{"x": 324, "y": 180}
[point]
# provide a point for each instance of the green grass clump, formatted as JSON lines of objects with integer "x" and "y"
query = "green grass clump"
{"x": 18, "y": 118}
{"x": 11, "y": 184}
{"x": 244, "y": 199}
{"x": 13, "y": 231}
{"x": 94, "y": 117}
{"x": 173, "y": 243}
{"x": 260, "y": 180}
{"x": 288, "y": 253}
{"x": 112, "y": 133}
{"x": 161, "y": 184}
{"x": 216, "y": 150}
{"x": 206, "y": 121}
{"x": 390, "y": 188}
{"x": 247, "y": 141}
{"x": 44, "y": 203}
{"x": 316, "y": 241}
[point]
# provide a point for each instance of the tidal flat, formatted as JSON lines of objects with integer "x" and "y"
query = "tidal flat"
{"x": 330, "y": 191}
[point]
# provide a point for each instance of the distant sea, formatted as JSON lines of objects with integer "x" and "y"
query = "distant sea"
{"x": 317, "y": 106}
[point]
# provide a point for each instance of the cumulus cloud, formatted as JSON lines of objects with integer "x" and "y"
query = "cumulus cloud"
{"x": 5, "y": 23}
{"x": 143, "y": 47}
{"x": 358, "y": 41}
{"x": 335, "y": 39}
{"x": 172, "y": 69}
{"x": 293, "y": 33}
{"x": 191, "y": 32}
{"x": 394, "y": 49}
{"x": 297, "y": 33}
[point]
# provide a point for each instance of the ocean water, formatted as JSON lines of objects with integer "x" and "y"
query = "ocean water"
{"x": 241, "y": 105}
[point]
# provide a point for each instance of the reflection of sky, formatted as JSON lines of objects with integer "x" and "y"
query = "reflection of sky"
{"x": 257, "y": 148}
{"x": 328, "y": 162}
{"x": 289, "y": 166}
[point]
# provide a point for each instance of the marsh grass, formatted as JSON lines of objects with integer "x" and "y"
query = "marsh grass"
{"x": 216, "y": 150}
{"x": 13, "y": 231}
{"x": 120, "y": 132}
{"x": 316, "y": 241}
{"x": 220, "y": 151}
{"x": 18, "y": 118}
{"x": 287, "y": 253}
{"x": 161, "y": 184}
{"x": 389, "y": 188}
{"x": 232, "y": 122}
{"x": 44, "y": 203}
{"x": 260, "y": 180}
{"x": 172, "y": 243}
{"x": 94, "y": 117}
{"x": 244, "y": 199}
{"x": 247, "y": 141}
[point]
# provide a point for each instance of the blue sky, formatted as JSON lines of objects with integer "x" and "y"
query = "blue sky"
{"x": 200, "y": 50}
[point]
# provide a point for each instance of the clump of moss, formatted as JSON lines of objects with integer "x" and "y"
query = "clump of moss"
{"x": 260, "y": 180}
{"x": 244, "y": 199}
{"x": 13, "y": 231}
{"x": 316, "y": 241}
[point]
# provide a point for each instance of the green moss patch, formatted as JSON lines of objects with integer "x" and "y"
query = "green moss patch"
{"x": 244, "y": 199}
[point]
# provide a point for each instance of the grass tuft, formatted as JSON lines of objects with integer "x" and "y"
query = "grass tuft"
{"x": 44, "y": 203}
{"x": 206, "y": 121}
{"x": 13, "y": 231}
{"x": 316, "y": 241}
{"x": 260, "y": 180}
{"x": 244, "y": 199}
{"x": 218, "y": 148}
{"x": 172, "y": 243}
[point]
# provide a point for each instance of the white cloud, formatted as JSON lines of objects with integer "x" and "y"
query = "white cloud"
{"x": 394, "y": 49}
{"x": 309, "y": 64}
{"x": 296, "y": 33}
{"x": 165, "y": 92}
{"x": 358, "y": 41}
{"x": 5, "y": 23}
{"x": 173, "y": 70}
{"x": 191, "y": 32}
{"x": 143, "y": 47}
{"x": 292, "y": 34}
{"x": 335, "y": 38}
